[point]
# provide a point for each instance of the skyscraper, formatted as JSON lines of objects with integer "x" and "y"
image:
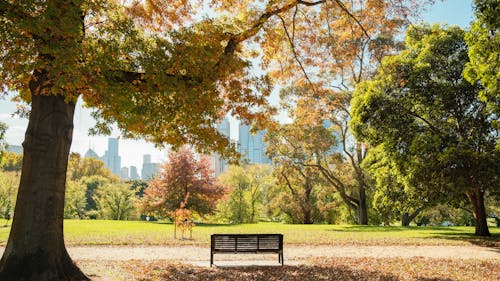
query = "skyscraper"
{"x": 219, "y": 165}
{"x": 124, "y": 173}
{"x": 111, "y": 158}
{"x": 252, "y": 146}
{"x": 133, "y": 173}
{"x": 149, "y": 169}
{"x": 92, "y": 154}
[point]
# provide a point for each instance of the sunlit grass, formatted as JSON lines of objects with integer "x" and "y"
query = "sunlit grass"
{"x": 137, "y": 233}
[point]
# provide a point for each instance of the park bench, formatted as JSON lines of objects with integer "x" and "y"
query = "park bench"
{"x": 246, "y": 243}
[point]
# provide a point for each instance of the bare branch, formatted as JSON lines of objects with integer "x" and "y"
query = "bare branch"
{"x": 311, "y": 3}
{"x": 343, "y": 8}
{"x": 295, "y": 55}
{"x": 293, "y": 23}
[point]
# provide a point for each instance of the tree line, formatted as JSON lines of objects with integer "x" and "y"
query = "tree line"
{"x": 247, "y": 193}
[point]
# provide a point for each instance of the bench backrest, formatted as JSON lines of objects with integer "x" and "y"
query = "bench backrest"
{"x": 246, "y": 242}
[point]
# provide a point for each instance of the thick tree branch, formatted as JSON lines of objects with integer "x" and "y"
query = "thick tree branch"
{"x": 427, "y": 122}
{"x": 288, "y": 183}
{"x": 352, "y": 202}
{"x": 142, "y": 83}
{"x": 235, "y": 39}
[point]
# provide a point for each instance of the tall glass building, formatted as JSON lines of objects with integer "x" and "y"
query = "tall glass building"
{"x": 111, "y": 158}
{"x": 219, "y": 165}
{"x": 252, "y": 146}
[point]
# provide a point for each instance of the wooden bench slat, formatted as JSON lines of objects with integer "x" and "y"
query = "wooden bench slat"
{"x": 247, "y": 243}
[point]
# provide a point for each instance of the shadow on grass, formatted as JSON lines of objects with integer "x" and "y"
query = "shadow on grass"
{"x": 491, "y": 241}
{"x": 197, "y": 224}
{"x": 368, "y": 228}
{"x": 264, "y": 273}
{"x": 434, "y": 232}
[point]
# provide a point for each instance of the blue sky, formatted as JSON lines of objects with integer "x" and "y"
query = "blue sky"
{"x": 451, "y": 12}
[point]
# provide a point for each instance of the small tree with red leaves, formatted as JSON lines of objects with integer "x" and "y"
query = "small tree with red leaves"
{"x": 181, "y": 175}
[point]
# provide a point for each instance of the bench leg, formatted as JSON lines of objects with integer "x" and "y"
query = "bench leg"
{"x": 211, "y": 259}
{"x": 281, "y": 259}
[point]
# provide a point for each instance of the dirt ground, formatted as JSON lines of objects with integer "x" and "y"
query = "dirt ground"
{"x": 292, "y": 254}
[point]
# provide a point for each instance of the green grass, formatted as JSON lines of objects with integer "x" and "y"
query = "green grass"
{"x": 137, "y": 233}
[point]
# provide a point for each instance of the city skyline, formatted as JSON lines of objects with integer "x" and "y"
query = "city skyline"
{"x": 112, "y": 161}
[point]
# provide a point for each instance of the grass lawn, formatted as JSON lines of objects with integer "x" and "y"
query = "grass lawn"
{"x": 137, "y": 233}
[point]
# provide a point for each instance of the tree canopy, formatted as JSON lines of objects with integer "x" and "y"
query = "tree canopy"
{"x": 183, "y": 176}
{"x": 484, "y": 52}
{"x": 246, "y": 188}
{"x": 430, "y": 119}
{"x": 11, "y": 162}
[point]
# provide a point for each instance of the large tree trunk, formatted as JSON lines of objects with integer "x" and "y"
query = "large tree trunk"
{"x": 307, "y": 216}
{"x": 476, "y": 198}
{"x": 362, "y": 208}
{"x": 407, "y": 218}
{"x": 35, "y": 249}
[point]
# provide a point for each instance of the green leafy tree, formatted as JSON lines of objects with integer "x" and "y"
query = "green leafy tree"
{"x": 296, "y": 196}
{"x": 116, "y": 201}
{"x": 12, "y": 162}
{"x": 139, "y": 186}
{"x": 91, "y": 184}
{"x": 295, "y": 149}
{"x": 87, "y": 174}
{"x": 430, "y": 119}
{"x": 330, "y": 149}
{"x": 247, "y": 186}
{"x": 75, "y": 200}
{"x": 235, "y": 207}
{"x": 394, "y": 196}
{"x": 260, "y": 180}
{"x": 483, "y": 40}
{"x": 79, "y": 167}
{"x": 9, "y": 181}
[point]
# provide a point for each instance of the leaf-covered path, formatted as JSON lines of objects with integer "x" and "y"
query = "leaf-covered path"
{"x": 353, "y": 263}
{"x": 293, "y": 254}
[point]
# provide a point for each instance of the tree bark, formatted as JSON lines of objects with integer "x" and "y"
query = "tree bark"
{"x": 407, "y": 218}
{"x": 476, "y": 198}
{"x": 35, "y": 249}
{"x": 362, "y": 208}
{"x": 307, "y": 216}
